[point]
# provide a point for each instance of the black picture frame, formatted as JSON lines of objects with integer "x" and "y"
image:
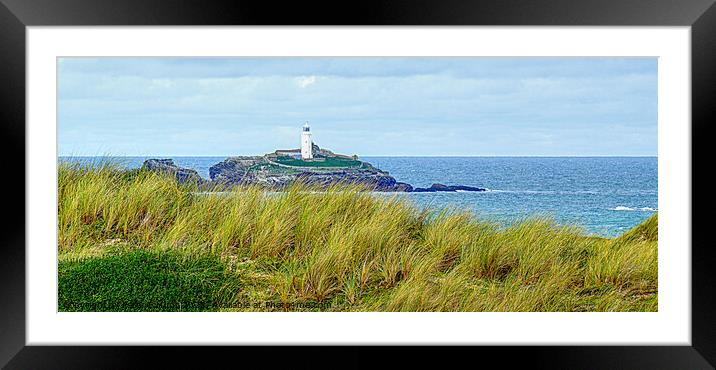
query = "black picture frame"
{"x": 16, "y": 15}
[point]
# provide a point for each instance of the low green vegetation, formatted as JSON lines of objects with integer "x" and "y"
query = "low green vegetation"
{"x": 140, "y": 280}
{"x": 141, "y": 242}
{"x": 320, "y": 162}
{"x": 273, "y": 169}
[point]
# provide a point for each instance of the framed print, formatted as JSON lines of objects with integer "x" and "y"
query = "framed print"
{"x": 480, "y": 175}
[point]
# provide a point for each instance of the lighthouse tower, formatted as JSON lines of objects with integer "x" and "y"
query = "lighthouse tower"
{"x": 306, "y": 143}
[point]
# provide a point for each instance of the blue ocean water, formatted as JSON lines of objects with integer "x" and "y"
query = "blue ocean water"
{"x": 604, "y": 195}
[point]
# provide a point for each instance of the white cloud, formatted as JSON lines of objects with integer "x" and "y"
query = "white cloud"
{"x": 305, "y": 81}
{"x": 161, "y": 83}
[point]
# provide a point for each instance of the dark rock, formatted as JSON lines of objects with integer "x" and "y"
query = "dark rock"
{"x": 183, "y": 175}
{"x": 232, "y": 170}
{"x": 402, "y": 186}
{"x": 448, "y": 188}
{"x": 373, "y": 180}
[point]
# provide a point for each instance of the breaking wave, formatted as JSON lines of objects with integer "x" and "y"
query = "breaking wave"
{"x": 642, "y": 209}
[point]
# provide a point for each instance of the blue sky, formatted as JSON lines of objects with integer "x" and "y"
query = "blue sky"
{"x": 364, "y": 106}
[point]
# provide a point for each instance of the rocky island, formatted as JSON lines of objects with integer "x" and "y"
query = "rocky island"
{"x": 275, "y": 171}
{"x": 280, "y": 169}
{"x": 310, "y": 164}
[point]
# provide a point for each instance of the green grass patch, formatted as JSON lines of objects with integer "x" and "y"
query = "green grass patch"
{"x": 325, "y": 162}
{"x": 140, "y": 281}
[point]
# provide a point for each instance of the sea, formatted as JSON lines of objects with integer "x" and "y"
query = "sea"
{"x": 605, "y": 196}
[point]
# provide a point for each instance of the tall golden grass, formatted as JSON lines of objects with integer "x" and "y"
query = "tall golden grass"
{"x": 353, "y": 251}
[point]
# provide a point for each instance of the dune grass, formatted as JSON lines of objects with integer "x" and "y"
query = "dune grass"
{"x": 338, "y": 250}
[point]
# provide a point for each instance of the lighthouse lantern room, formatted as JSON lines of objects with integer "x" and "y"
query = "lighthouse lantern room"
{"x": 306, "y": 143}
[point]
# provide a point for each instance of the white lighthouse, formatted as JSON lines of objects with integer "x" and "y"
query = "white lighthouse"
{"x": 306, "y": 143}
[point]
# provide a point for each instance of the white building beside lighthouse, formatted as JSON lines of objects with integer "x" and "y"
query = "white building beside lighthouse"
{"x": 306, "y": 143}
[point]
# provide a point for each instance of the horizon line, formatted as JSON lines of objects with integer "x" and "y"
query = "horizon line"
{"x": 394, "y": 156}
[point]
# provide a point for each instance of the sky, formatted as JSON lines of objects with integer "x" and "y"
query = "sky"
{"x": 367, "y": 106}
